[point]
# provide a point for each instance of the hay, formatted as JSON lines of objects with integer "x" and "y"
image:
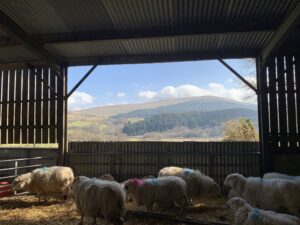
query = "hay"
{"x": 26, "y": 210}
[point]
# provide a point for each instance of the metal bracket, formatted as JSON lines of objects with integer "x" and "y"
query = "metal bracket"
{"x": 81, "y": 80}
{"x": 238, "y": 75}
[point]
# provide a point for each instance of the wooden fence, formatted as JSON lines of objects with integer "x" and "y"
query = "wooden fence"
{"x": 125, "y": 160}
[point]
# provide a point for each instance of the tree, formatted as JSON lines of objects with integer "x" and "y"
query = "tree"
{"x": 239, "y": 130}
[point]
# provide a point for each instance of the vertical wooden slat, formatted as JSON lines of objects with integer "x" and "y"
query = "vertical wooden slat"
{"x": 45, "y": 105}
{"x": 38, "y": 105}
{"x": 18, "y": 105}
{"x": 297, "y": 75}
{"x": 282, "y": 100}
{"x": 1, "y": 103}
{"x": 4, "y": 107}
{"x": 52, "y": 110}
{"x": 25, "y": 106}
{"x": 11, "y": 107}
{"x": 291, "y": 101}
{"x": 60, "y": 115}
{"x": 31, "y": 106}
{"x": 273, "y": 104}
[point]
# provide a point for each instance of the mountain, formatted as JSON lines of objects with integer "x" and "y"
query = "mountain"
{"x": 191, "y": 120}
{"x": 106, "y": 123}
{"x": 201, "y": 104}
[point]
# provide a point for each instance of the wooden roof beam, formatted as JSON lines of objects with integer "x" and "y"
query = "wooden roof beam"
{"x": 146, "y": 34}
{"x": 22, "y": 37}
{"x": 281, "y": 34}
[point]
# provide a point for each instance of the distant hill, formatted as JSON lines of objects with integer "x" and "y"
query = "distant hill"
{"x": 204, "y": 103}
{"x": 106, "y": 123}
{"x": 191, "y": 120}
{"x": 200, "y": 104}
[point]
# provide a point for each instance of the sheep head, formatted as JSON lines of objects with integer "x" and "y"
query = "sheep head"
{"x": 236, "y": 203}
{"x": 22, "y": 181}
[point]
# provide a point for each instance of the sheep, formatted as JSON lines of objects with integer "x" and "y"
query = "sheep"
{"x": 107, "y": 176}
{"x": 232, "y": 194}
{"x": 198, "y": 184}
{"x": 244, "y": 214}
{"x": 269, "y": 194}
{"x": 163, "y": 191}
{"x": 45, "y": 181}
{"x": 99, "y": 199}
{"x": 281, "y": 176}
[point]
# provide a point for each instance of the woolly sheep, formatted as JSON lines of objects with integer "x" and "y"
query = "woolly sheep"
{"x": 46, "y": 181}
{"x": 269, "y": 194}
{"x": 232, "y": 194}
{"x": 244, "y": 214}
{"x": 281, "y": 176}
{"x": 163, "y": 191}
{"x": 99, "y": 199}
{"x": 107, "y": 176}
{"x": 197, "y": 183}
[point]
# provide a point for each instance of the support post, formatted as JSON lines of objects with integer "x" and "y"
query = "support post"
{"x": 238, "y": 75}
{"x": 263, "y": 122}
{"x": 81, "y": 81}
{"x": 62, "y": 115}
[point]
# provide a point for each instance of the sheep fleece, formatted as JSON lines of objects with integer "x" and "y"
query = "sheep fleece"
{"x": 163, "y": 190}
{"x": 197, "y": 183}
{"x": 46, "y": 180}
{"x": 244, "y": 214}
{"x": 99, "y": 198}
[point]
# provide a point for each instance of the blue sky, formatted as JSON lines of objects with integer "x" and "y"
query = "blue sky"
{"x": 122, "y": 84}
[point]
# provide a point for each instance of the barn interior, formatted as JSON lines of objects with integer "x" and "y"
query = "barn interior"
{"x": 40, "y": 39}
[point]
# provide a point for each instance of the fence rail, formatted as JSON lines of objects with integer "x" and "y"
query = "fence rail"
{"x": 12, "y": 167}
{"x": 125, "y": 160}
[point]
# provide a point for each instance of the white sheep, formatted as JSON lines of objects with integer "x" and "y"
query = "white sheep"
{"x": 244, "y": 214}
{"x": 281, "y": 176}
{"x": 46, "y": 181}
{"x": 163, "y": 191}
{"x": 99, "y": 199}
{"x": 198, "y": 184}
{"x": 269, "y": 194}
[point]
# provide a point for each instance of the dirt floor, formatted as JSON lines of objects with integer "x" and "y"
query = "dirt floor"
{"x": 26, "y": 210}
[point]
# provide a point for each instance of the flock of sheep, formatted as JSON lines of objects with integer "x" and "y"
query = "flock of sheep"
{"x": 249, "y": 198}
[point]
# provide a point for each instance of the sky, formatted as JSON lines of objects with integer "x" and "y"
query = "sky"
{"x": 138, "y": 83}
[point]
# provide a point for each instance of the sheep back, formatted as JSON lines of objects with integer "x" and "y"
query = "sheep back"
{"x": 99, "y": 198}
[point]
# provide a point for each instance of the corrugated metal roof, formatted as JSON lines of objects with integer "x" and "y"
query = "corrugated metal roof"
{"x": 115, "y": 17}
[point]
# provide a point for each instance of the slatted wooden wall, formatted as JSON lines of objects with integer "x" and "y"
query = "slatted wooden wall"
{"x": 31, "y": 105}
{"x": 279, "y": 83}
{"x": 126, "y": 160}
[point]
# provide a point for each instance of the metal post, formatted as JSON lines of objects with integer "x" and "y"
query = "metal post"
{"x": 16, "y": 172}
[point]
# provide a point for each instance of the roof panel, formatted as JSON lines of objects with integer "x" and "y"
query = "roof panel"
{"x": 144, "y": 27}
{"x": 16, "y": 54}
{"x": 56, "y": 16}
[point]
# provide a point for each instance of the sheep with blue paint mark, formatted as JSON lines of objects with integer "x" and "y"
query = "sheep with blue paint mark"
{"x": 46, "y": 181}
{"x": 281, "y": 176}
{"x": 163, "y": 191}
{"x": 198, "y": 184}
{"x": 244, "y": 214}
{"x": 268, "y": 194}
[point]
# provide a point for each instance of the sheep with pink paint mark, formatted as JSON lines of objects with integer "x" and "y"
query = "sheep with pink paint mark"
{"x": 163, "y": 191}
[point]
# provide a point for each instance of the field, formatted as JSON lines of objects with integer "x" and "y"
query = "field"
{"x": 26, "y": 210}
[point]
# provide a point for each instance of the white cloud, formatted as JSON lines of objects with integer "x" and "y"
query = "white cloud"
{"x": 121, "y": 94}
{"x": 148, "y": 95}
{"x": 80, "y": 100}
{"x": 188, "y": 90}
